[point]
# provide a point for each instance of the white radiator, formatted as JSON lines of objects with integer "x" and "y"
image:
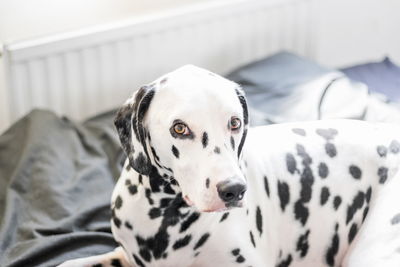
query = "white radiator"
{"x": 82, "y": 73}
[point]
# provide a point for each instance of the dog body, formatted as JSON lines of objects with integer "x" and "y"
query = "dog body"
{"x": 193, "y": 192}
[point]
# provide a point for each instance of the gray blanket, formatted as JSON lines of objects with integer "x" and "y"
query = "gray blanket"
{"x": 56, "y": 179}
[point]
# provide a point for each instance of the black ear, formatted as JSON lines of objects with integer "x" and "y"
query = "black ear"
{"x": 132, "y": 134}
{"x": 243, "y": 103}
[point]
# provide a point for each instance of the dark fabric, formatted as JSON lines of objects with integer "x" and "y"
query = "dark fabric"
{"x": 56, "y": 180}
{"x": 381, "y": 77}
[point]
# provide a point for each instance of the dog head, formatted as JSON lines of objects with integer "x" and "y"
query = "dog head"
{"x": 190, "y": 124}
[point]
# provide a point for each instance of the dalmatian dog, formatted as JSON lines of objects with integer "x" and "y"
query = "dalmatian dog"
{"x": 201, "y": 188}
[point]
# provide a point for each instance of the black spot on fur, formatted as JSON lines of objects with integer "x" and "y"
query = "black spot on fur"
{"x": 330, "y": 149}
{"x": 165, "y": 202}
{"x": 324, "y": 195}
{"x": 118, "y": 202}
{"x": 328, "y": 134}
{"x": 233, "y": 143}
{"x": 217, "y": 150}
{"x": 306, "y": 182}
{"x": 286, "y": 262}
{"x": 138, "y": 261}
{"x": 235, "y": 252}
{"x": 168, "y": 188}
{"x": 323, "y": 170}
{"x": 301, "y": 151}
{"x": 355, "y": 172}
{"x": 141, "y": 164}
{"x": 352, "y": 232}
{"x": 154, "y": 213}
{"x": 382, "y": 151}
{"x": 357, "y": 204}
{"x": 336, "y": 202}
{"x": 224, "y": 216}
{"x": 204, "y": 139}
{"x": 368, "y": 194}
{"x": 306, "y": 178}
{"x": 117, "y": 222}
{"x": 333, "y": 249}
{"x": 299, "y": 131}
{"x": 291, "y": 163}
{"x": 252, "y": 239}
{"x": 243, "y": 103}
{"x": 394, "y": 147}
{"x": 158, "y": 243}
{"x": 202, "y": 240}
{"x": 145, "y": 254}
{"x": 116, "y": 263}
{"x": 140, "y": 179}
{"x": 383, "y": 174}
{"x": 242, "y": 142}
{"x": 148, "y": 196}
{"x": 302, "y": 244}
{"x": 189, "y": 221}
{"x": 183, "y": 242}
{"x": 365, "y": 213}
{"x": 301, "y": 212}
{"x": 123, "y": 125}
{"x": 98, "y": 264}
{"x": 240, "y": 259}
{"x": 128, "y": 225}
{"x": 175, "y": 151}
{"x": 132, "y": 189}
{"x": 153, "y": 151}
{"x": 395, "y": 219}
{"x": 266, "y": 185}
{"x": 115, "y": 219}
{"x": 283, "y": 193}
{"x": 259, "y": 220}
{"x": 208, "y": 182}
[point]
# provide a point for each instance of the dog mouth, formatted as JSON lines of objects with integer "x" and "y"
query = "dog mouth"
{"x": 227, "y": 207}
{"x": 188, "y": 201}
{"x": 222, "y": 207}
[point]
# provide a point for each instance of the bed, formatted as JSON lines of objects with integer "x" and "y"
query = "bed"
{"x": 57, "y": 170}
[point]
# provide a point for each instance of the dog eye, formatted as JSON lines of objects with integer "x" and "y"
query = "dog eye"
{"x": 181, "y": 129}
{"x": 235, "y": 123}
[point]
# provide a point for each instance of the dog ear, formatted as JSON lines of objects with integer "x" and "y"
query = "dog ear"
{"x": 242, "y": 99}
{"x": 132, "y": 133}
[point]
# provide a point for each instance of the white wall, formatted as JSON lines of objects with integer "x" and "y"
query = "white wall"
{"x": 20, "y": 19}
{"x": 356, "y": 31}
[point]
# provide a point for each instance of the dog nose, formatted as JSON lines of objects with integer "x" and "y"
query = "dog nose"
{"x": 231, "y": 191}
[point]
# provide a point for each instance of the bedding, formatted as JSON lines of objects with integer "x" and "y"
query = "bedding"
{"x": 57, "y": 175}
{"x": 380, "y": 77}
{"x": 286, "y": 87}
{"x": 56, "y": 181}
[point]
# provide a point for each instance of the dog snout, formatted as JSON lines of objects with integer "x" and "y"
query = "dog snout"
{"x": 231, "y": 190}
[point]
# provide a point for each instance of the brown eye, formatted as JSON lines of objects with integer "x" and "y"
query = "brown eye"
{"x": 235, "y": 123}
{"x": 180, "y": 128}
